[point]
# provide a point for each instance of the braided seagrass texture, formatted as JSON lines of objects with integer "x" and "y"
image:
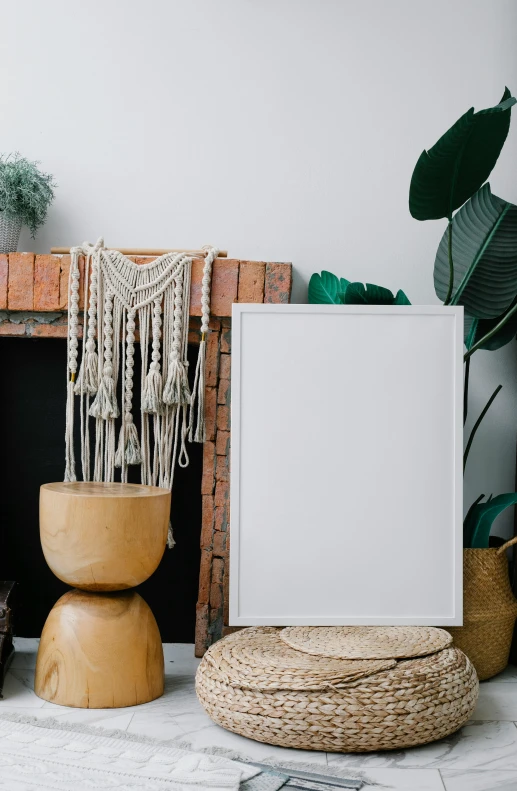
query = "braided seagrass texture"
{"x": 489, "y": 610}
{"x": 415, "y": 702}
{"x": 263, "y": 662}
{"x": 366, "y": 642}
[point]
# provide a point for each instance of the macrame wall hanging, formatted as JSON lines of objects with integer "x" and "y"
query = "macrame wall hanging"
{"x": 118, "y": 294}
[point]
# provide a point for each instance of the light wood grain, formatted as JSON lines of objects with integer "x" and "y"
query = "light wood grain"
{"x": 150, "y": 251}
{"x": 100, "y": 650}
{"x": 103, "y": 537}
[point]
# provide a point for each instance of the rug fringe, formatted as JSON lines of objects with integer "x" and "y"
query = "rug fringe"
{"x": 51, "y": 723}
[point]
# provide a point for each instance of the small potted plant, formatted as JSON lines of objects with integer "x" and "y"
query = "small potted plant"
{"x": 25, "y": 195}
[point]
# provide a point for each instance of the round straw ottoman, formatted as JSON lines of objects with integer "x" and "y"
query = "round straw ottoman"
{"x": 256, "y": 684}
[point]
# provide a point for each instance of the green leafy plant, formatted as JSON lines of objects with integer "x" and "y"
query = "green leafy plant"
{"x": 327, "y": 289}
{"x": 476, "y": 261}
{"x": 25, "y": 192}
{"x": 460, "y": 162}
{"x": 480, "y": 518}
{"x": 457, "y": 165}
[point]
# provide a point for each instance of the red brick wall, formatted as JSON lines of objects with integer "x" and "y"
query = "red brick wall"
{"x": 33, "y": 303}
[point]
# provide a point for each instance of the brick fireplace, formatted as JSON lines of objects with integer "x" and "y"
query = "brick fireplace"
{"x": 33, "y": 303}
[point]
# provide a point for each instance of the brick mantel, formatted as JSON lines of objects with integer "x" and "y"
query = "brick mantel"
{"x": 33, "y": 303}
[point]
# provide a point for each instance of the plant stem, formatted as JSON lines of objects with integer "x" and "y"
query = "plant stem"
{"x": 466, "y": 391}
{"x": 478, "y": 423}
{"x": 490, "y": 334}
{"x": 451, "y": 265}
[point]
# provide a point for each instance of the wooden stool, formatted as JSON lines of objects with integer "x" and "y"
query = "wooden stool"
{"x": 100, "y": 646}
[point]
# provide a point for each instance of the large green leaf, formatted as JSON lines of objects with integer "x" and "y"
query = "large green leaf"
{"x": 481, "y": 516}
{"x": 369, "y": 294}
{"x": 325, "y": 288}
{"x": 460, "y": 162}
{"x": 484, "y": 251}
{"x": 475, "y": 329}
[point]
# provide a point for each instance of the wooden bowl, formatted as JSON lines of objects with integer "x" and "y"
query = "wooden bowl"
{"x": 103, "y": 536}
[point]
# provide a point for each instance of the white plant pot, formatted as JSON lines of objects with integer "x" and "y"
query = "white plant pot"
{"x": 9, "y": 233}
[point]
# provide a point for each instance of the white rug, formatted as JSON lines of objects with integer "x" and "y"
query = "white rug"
{"x": 46, "y": 754}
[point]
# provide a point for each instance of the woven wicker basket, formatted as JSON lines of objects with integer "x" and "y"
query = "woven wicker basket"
{"x": 415, "y": 702}
{"x": 489, "y": 610}
{"x": 9, "y": 233}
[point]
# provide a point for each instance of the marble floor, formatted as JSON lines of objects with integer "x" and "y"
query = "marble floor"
{"x": 481, "y": 757}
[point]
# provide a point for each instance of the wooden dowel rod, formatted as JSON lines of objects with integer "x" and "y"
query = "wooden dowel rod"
{"x": 143, "y": 251}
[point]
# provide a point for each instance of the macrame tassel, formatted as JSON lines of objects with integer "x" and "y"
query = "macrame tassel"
{"x": 176, "y": 390}
{"x": 199, "y": 393}
{"x": 105, "y": 404}
{"x": 152, "y": 402}
{"x": 152, "y": 395}
{"x": 72, "y": 345}
{"x": 69, "y": 434}
{"x": 88, "y": 381}
{"x": 128, "y": 450}
{"x": 170, "y": 537}
{"x": 199, "y": 380}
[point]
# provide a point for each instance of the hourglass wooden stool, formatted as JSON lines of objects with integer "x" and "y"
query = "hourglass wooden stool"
{"x": 100, "y": 646}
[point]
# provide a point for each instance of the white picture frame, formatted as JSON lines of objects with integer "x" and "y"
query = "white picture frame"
{"x": 346, "y": 465}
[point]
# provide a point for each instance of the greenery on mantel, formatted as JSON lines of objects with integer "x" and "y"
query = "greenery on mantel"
{"x": 25, "y": 192}
{"x": 327, "y": 289}
{"x": 476, "y": 261}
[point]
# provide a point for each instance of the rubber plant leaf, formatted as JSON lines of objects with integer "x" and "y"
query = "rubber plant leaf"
{"x": 370, "y": 294}
{"x": 475, "y": 329}
{"x": 482, "y": 516}
{"x": 484, "y": 250}
{"x": 325, "y": 288}
{"x": 460, "y": 162}
{"x": 401, "y": 298}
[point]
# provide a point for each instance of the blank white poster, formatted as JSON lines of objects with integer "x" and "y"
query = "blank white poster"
{"x": 346, "y": 466}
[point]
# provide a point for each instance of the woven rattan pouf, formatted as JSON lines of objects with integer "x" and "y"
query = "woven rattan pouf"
{"x": 256, "y": 684}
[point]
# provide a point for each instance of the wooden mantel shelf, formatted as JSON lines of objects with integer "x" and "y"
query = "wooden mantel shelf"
{"x": 34, "y": 285}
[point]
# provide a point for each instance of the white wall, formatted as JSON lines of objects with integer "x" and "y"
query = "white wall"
{"x": 280, "y": 129}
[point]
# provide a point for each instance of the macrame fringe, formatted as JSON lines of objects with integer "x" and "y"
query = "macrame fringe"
{"x": 152, "y": 397}
{"x": 199, "y": 435}
{"x": 88, "y": 380}
{"x": 128, "y": 451}
{"x": 157, "y": 296}
{"x": 105, "y": 404}
{"x": 177, "y": 390}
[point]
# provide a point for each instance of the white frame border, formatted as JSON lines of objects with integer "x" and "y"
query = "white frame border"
{"x": 421, "y": 310}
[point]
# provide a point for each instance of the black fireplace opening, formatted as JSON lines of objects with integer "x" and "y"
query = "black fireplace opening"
{"x": 32, "y": 409}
